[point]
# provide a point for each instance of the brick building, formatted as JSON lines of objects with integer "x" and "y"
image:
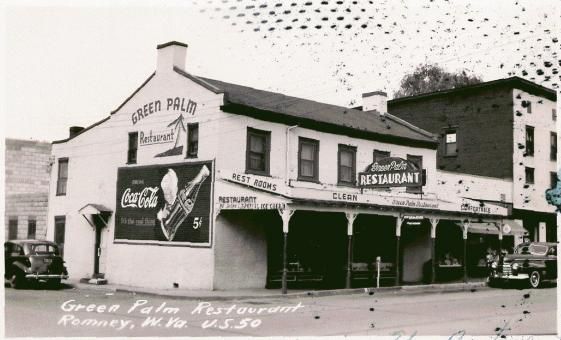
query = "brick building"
{"x": 502, "y": 129}
{"x": 27, "y": 171}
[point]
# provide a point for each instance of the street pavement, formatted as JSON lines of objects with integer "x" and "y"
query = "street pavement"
{"x": 92, "y": 312}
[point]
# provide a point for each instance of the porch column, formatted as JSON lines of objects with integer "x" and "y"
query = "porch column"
{"x": 350, "y": 220}
{"x": 398, "y": 222}
{"x": 285, "y": 214}
{"x": 465, "y": 227}
{"x": 433, "y": 224}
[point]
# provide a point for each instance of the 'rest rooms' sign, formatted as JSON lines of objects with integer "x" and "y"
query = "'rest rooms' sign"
{"x": 166, "y": 204}
{"x": 391, "y": 172}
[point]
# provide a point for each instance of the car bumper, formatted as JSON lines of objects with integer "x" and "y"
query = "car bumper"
{"x": 46, "y": 276}
{"x": 520, "y": 276}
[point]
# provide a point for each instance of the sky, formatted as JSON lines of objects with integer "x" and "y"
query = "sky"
{"x": 72, "y": 63}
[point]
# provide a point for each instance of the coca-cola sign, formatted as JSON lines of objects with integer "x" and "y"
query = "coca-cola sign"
{"x": 165, "y": 204}
{"x": 391, "y": 172}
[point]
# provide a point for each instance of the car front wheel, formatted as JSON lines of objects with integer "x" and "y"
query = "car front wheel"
{"x": 17, "y": 280}
{"x": 535, "y": 279}
{"x": 53, "y": 283}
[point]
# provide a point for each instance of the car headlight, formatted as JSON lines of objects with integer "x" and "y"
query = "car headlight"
{"x": 494, "y": 265}
{"x": 515, "y": 266}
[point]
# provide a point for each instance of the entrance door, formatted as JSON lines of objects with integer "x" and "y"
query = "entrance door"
{"x": 60, "y": 226}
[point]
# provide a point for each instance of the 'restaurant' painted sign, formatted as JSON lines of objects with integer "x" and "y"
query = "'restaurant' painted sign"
{"x": 391, "y": 172}
{"x": 166, "y": 204}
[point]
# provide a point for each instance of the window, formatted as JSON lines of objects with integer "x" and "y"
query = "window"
{"x": 192, "y": 140}
{"x": 346, "y": 165}
{"x": 529, "y": 175}
{"x": 378, "y": 154}
{"x": 308, "y": 150}
{"x": 133, "y": 148}
{"x": 528, "y": 105}
{"x": 553, "y": 146}
{"x": 450, "y": 144}
{"x": 552, "y": 179}
{"x": 554, "y": 114}
{"x": 31, "y": 227}
{"x": 257, "y": 151}
{"x": 13, "y": 228}
{"x": 62, "y": 176}
{"x": 418, "y": 161}
{"x": 529, "y": 140}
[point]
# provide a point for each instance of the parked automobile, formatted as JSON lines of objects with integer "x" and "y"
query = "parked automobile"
{"x": 26, "y": 261}
{"x": 532, "y": 263}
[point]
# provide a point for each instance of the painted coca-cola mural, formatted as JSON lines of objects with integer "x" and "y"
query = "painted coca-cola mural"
{"x": 165, "y": 204}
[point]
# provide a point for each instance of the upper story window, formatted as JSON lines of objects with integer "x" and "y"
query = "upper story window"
{"x": 553, "y": 146}
{"x": 133, "y": 148}
{"x": 529, "y": 173}
{"x": 308, "y": 157}
{"x": 192, "y": 140}
{"x": 62, "y": 178}
{"x": 528, "y": 105}
{"x": 554, "y": 114}
{"x": 379, "y": 154}
{"x": 346, "y": 165}
{"x": 257, "y": 151}
{"x": 529, "y": 140}
{"x": 13, "y": 228}
{"x": 450, "y": 144}
{"x": 418, "y": 161}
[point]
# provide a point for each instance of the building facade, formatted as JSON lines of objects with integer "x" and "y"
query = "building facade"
{"x": 202, "y": 184}
{"x": 503, "y": 129}
{"x": 27, "y": 171}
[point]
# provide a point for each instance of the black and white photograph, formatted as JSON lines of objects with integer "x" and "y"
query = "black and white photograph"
{"x": 280, "y": 168}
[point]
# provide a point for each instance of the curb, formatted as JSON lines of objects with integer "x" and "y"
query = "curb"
{"x": 405, "y": 290}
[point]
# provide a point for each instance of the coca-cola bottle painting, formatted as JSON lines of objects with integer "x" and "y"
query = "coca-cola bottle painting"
{"x": 178, "y": 205}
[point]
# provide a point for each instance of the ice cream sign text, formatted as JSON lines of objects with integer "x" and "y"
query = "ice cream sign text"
{"x": 176, "y": 104}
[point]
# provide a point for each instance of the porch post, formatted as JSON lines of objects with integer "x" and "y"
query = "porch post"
{"x": 500, "y": 240}
{"x": 350, "y": 220}
{"x": 465, "y": 227}
{"x": 433, "y": 223}
{"x": 285, "y": 214}
{"x": 398, "y": 222}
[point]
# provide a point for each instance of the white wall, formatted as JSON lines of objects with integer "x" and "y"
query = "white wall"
{"x": 453, "y": 184}
{"x": 532, "y": 197}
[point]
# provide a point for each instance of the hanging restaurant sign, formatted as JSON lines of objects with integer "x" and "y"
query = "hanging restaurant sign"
{"x": 391, "y": 172}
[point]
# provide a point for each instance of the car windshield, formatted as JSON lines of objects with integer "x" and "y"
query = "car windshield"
{"x": 44, "y": 249}
{"x": 532, "y": 249}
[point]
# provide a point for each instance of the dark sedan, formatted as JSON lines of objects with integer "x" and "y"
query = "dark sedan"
{"x": 33, "y": 260}
{"x": 531, "y": 263}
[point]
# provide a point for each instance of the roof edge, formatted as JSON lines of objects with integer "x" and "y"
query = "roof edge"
{"x": 170, "y": 43}
{"x": 135, "y": 92}
{"x": 79, "y": 133}
{"x": 198, "y": 80}
{"x": 411, "y": 126}
{"x": 515, "y": 82}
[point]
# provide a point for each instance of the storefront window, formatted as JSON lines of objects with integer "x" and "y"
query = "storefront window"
{"x": 308, "y": 159}
{"x": 31, "y": 228}
{"x": 62, "y": 176}
{"x": 133, "y": 147}
{"x": 257, "y": 158}
{"x": 192, "y": 140}
{"x": 347, "y": 161}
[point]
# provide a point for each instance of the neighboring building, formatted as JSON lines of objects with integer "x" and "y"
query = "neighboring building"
{"x": 198, "y": 183}
{"x": 503, "y": 129}
{"x": 27, "y": 167}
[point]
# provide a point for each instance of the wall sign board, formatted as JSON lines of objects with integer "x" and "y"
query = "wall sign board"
{"x": 165, "y": 204}
{"x": 391, "y": 172}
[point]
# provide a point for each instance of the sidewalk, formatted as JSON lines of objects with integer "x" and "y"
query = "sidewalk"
{"x": 245, "y": 294}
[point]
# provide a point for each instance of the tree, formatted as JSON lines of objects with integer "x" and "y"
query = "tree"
{"x": 431, "y": 77}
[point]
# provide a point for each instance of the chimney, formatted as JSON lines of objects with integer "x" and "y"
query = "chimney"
{"x": 74, "y": 130}
{"x": 171, "y": 54}
{"x": 377, "y": 100}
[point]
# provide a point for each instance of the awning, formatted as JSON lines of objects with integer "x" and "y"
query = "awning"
{"x": 97, "y": 215}
{"x": 483, "y": 228}
{"x": 511, "y": 227}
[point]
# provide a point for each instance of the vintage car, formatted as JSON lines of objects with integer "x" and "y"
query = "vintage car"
{"x": 33, "y": 260}
{"x": 531, "y": 263}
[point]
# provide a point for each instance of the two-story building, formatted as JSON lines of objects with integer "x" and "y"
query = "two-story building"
{"x": 202, "y": 184}
{"x": 504, "y": 129}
